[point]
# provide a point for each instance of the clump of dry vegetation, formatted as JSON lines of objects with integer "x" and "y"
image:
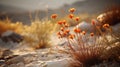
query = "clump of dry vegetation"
{"x": 89, "y": 49}
{"x": 6, "y": 25}
{"x": 37, "y": 35}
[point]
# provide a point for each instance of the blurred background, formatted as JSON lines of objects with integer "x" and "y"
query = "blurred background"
{"x": 19, "y": 10}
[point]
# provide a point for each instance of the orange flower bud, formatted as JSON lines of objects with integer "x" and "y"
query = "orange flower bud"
{"x": 77, "y": 18}
{"x": 64, "y": 21}
{"x": 91, "y": 34}
{"x": 64, "y": 33}
{"x": 83, "y": 32}
{"x": 58, "y": 33}
{"x": 67, "y": 31}
{"x": 71, "y": 36}
{"x": 106, "y": 26}
{"x": 54, "y": 16}
{"x": 60, "y": 22}
{"x": 72, "y": 10}
{"x": 71, "y": 16}
{"x": 62, "y": 29}
{"x": 66, "y": 25}
{"x": 77, "y": 30}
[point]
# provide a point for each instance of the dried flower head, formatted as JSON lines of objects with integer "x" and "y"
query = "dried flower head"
{"x": 58, "y": 33}
{"x": 62, "y": 28}
{"x": 71, "y": 36}
{"x": 91, "y": 34}
{"x": 71, "y": 16}
{"x": 66, "y": 25}
{"x": 67, "y": 31}
{"x": 72, "y": 10}
{"x": 83, "y": 32}
{"x": 77, "y": 30}
{"x": 64, "y": 22}
{"x": 77, "y": 19}
{"x": 54, "y": 16}
{"x": 59, "y": 22}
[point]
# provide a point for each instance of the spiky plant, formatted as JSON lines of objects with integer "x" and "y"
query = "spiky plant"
{"x": 88, "y": 49}
{"x": 85, "y": 48}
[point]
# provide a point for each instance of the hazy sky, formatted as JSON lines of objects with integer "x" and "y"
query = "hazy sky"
{"x": 36, "y": 4}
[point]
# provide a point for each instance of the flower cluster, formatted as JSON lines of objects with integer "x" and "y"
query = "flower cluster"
{"x": 81, "y": 47}
{"x": 64, "y": 30}
{"x": 64, "y": 26}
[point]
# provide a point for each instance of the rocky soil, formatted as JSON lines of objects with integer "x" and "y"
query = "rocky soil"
{"x": 17, "y": 55}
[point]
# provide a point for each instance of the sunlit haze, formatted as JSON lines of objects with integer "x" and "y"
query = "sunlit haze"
{"x": 36, "y": 4}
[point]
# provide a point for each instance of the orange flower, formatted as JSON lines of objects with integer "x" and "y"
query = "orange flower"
{"x": 71, "y": 16}
{"x": 58, "y": 33}
{"x": 77, "y": 18}
{"x": 93, "y": 22}
{"x": 66, "y": 25}
{"x": 67, "y": 31}
{"x": 64, "y": 21}
{"x": 60, "y": 22}
{"x": 91, "y": 34}
{"x": 54, "y": 16}
{"x": 106, "y": 26}
{"x": 72, "y": 10}
{"x": 62, "y": 29}
{"x": 77, "y": 30}
{"x": 71, "y": 36}
{"x": 83, "y": 32}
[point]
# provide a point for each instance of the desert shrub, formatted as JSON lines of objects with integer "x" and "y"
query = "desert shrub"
{"x": 4, "y": 26}
{"x": 7, "y": 24}
{"x": 85, "y": 48}
{"x": 37, "y": 35}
